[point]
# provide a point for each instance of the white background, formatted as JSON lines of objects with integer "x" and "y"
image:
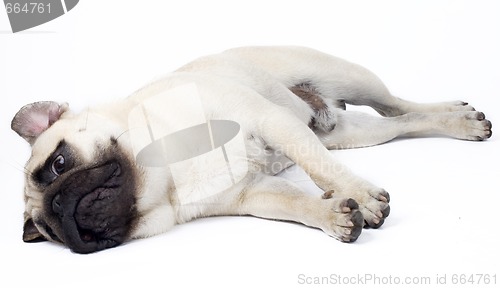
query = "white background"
{"x": 444, "y": 192}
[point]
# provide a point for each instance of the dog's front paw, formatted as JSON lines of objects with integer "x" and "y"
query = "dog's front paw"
{"x": 344, "y": 221}
{"x": 373, "y": 205}
{"x": 375, "y": 208}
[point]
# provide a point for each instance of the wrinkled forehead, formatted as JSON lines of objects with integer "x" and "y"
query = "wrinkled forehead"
{"x": 84, "y": 132}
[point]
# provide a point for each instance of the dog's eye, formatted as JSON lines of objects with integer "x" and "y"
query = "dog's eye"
{"x": 58, "y": 165}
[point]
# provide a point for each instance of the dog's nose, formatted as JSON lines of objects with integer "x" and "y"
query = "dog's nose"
{"x": 56, "y": 205}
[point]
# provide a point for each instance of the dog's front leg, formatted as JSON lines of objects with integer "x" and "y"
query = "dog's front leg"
{"x": 286, "y": 134}
{"x": 276, "y": 198}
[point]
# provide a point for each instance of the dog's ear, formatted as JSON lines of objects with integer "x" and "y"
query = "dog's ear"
{"x": 31, "y": 233}
{"x": 33, "y": 119}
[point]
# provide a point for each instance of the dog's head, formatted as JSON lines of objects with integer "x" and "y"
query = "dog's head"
{"x": 80, "y": 186}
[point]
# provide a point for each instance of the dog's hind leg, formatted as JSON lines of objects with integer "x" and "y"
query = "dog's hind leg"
{"x": 357, "y": 129}
{"x": 374, "y": 94}
{"x": 334, "y": 78}
{"x": 361, "y": 87}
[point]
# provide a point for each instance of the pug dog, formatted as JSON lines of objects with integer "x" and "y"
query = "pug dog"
{"x": 209, "y": 139}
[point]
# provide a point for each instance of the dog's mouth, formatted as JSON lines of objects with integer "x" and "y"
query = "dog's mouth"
{"x": 95, "y": 208}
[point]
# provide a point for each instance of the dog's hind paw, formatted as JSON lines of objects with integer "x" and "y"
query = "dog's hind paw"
{"x": 471, "y": 125}
{"x": 457, "y": 106}
{"x": 451, "y": 106}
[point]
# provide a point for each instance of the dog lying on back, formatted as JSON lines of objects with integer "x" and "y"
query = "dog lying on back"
{"x": 208, "y": 139}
